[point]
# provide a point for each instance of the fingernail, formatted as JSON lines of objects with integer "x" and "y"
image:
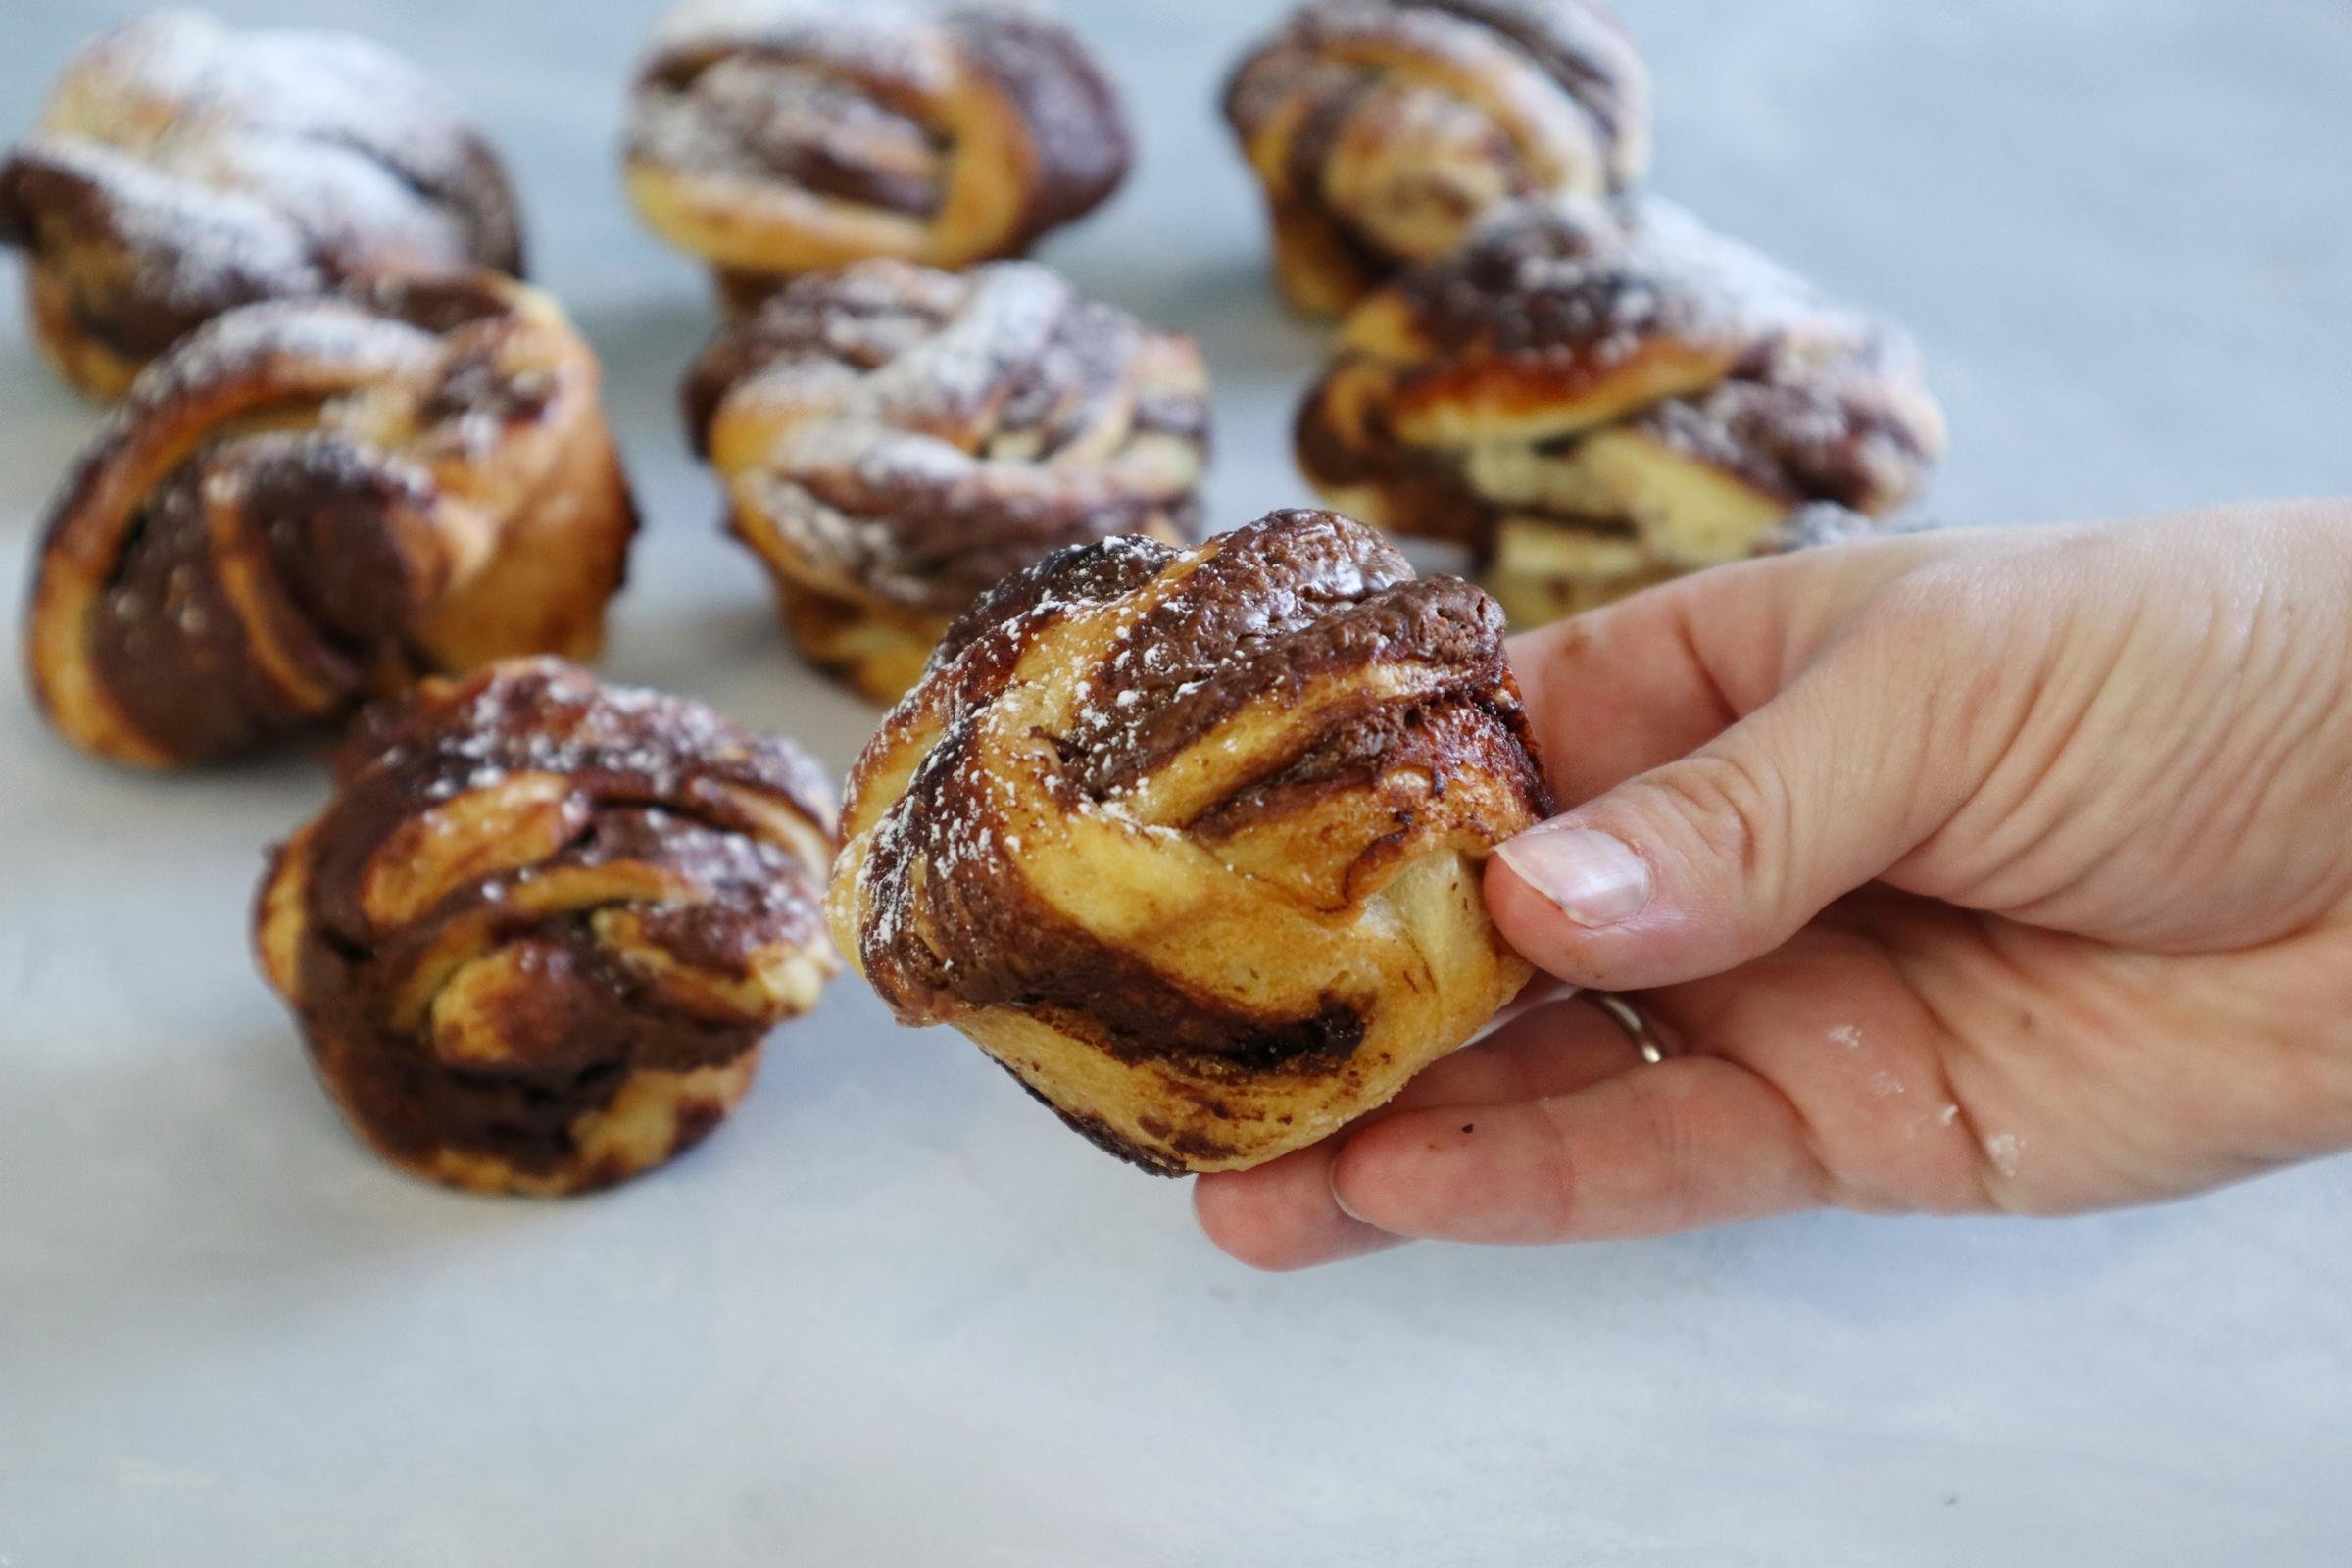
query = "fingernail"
{"x": 1362, "y": 1238}
{"x": 1339, "y": 1201}
{"x": 1591, "y": 875}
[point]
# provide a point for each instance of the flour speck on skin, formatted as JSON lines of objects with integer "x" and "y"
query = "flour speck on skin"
{"x": 2003, "y": 1148}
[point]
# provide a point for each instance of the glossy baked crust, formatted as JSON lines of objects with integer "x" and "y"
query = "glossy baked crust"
{"x": 1383, "y": 129}
{"x": 182, "y": 169}
{"x": 1596, "y": 397}
{"x": 774, "y": 137}
{"x": 305, "y": 503}
{"x": 895, "y": 439}
{"x": 536, "y": 938}
{"x": 1189, "y": 842}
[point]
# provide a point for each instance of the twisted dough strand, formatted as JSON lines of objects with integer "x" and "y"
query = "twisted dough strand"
{"x": 537, "y": 936}
{"x": 1594, "y": 397}
{"x": 306, "y": 503}
{"x": 1187, "y": 842}
{"x": 774, "y": 137}
{"x": 1383, "y": 129}
{"x": 896, "y": 439}
{"x": 181, "y": 168}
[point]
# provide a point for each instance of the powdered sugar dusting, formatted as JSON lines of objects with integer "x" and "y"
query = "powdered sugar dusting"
{"x": 236, "y": 166}
{"x": 867, "y": 122}
{"x": 1627, "y": 318}
{"x": 929, "y": 432}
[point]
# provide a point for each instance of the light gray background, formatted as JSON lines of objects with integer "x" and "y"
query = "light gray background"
{"x": 892, "y": 1313}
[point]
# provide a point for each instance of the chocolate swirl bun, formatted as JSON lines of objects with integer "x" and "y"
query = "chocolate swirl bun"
{"x": 182, "y": 169}
{"x": 895, "y": 439}
{"x": 1188, "y": 841}
{"x": 773, "y": 137}
{"x": 1595, "y": 398}
{"x": 1383, "y": 129}
{"x": 309, "y": 503}
{"x": 538, "y": 935}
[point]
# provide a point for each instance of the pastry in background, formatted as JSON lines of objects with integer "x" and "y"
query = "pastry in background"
{"x": 305, "y": 503}
{"x": 182, "y": 169}
{"x": 1596, "y": 397}
{"x": 536, "y": 938}
{"x": 895, "y": 439}
{"x": 1382, "y": 130}
{"x": 774, "y": 137}
{"x": 1190, "y": 841}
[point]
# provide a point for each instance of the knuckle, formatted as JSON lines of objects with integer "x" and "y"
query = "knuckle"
{"x": 1735, "y": 807}
{"x": 1937, "y": 605}
{"x": 1673, "y": 1168}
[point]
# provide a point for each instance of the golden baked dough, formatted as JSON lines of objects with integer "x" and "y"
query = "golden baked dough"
{"x": 309, "y": 503}
{"x": 773, "y": 137}
{"x": 1382, "y": 130}
{"x": 182, "y": 169}
{"x": 538, "y": 935}
{"x": 895, "y": 439}
{"x": 1189, "y": 842}
{"x": 1596, "y": 397}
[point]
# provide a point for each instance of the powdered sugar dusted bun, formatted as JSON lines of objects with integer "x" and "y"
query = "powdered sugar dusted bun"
{"x": 1596, "y": 397}
{"x": 895, "y": 439}
{"x": 1382, "y": 130}
{"x": 773, "y": 137}
{"x": 1190, "y": 841}
{"x": 536, "y": 938}
{"x": 310, "y": 501}
{"x": 181, "y": 168}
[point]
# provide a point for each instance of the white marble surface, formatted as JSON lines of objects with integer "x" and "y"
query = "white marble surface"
{"x": 892, "y": 1313}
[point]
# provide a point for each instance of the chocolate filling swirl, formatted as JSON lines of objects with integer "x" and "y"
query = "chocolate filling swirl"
{"x": 914, "y": 436}
{"x": 1578, "y": 359}
{"x": 306, "y": 503}
{"x": 1148, "y": 669}
{"x": 1385, "y": 128}
{"x": 894, "y": 112}
{"x": 529, "y": 889}
{"x": 185, "y": 168}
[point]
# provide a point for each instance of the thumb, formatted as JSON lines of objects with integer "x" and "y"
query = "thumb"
{"x": 1701, "y": 864}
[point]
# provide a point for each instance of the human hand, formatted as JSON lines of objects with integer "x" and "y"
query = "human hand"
{"x": 1990, "y": 871}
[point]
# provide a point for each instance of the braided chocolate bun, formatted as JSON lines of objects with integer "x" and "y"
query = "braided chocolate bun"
{"x": 536, "y": 938}
{"x": 1599, "y": 397}
{"x": 1382, "y": 130}
{"x": 309, "y": 503}
{"x": 182, "y": 169}
{"x": 772, "y": 138}
{"x": 894, "y": 440}
{"x": 1190, "y": 841}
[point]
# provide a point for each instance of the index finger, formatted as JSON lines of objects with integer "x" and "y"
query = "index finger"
{"x": 1632, "y": 686}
